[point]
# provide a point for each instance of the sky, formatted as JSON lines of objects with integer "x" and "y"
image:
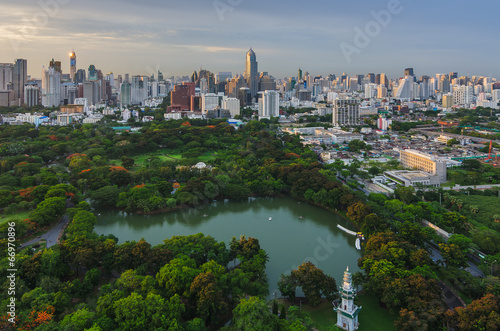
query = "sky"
{"x": 319, "y": 36}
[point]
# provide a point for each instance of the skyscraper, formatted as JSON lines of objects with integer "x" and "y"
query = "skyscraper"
{"x": 6, "y": 76}
{"x": 251, "y": 72}
{"x": 125, "y": 94}
{"x": 346, "y": 112}
{"x": 19, "y": 79}
{"x": 269, "y": 104}
{"x": 51, "y": 87}
{"x": 92, "y": 73}
{"x": 80, "y": 76}
{"x": 409, "y": 72}
{"x": 72, "y": 65}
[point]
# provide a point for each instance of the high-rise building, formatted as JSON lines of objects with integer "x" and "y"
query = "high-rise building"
{"x": 51, "y": 87}
{"x": 125, "y": 94}
{"x": 93, "y": 74}
{"x": 405, "y": 89}
{"x": 251, "y": 73}
{"x": 91, "y": 92}
{"x": 56, "y": 65}
{"x": 409, "y": 72}
{"x": 462, "y": 95}
{"x": 346, "y": 112}
{"x": 209, "y": 101}
{"x": 447, "y": 100}
{"x": 381, "y": 91}
{"x": 223, "y": 76}
{"x": 19, "y": 79}
{"x": 139, "y": 90}
{"x": 180, "y": 97}
{"x": 233, "y": 105}
{"x": 266, "y": 82}
{"x": 234, "y": 85}
{"x": 299, "y": 75}
{"x": 6, "y": 70}
{"x": 269, "y": 104}
{"x": 72, "y": 65}
{"x": 31, "y": 95}
{"x": 80, "y": 76}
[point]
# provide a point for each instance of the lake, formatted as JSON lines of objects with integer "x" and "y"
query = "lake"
{"x": 288, "y": 238}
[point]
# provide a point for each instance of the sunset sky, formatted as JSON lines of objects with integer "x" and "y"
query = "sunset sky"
{"x": 177, "y": 37}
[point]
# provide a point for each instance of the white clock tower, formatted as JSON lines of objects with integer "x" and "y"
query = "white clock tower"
{"x": 347, "y": 311}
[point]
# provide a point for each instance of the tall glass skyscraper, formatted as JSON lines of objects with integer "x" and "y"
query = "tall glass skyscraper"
{"x": 19, "y": 79}
{"x": 251, "y": 75}
{"x": 72, "y": 65}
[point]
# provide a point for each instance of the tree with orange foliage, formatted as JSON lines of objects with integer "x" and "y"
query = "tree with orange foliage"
{"x": 37, "y": 318}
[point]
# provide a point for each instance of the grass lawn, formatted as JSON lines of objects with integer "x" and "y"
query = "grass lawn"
{"x": 20, "y": 215}
{"x": 371, "y": 318}
{"x": 488, "y": 207}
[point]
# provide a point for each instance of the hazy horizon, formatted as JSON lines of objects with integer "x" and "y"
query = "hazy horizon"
{"x": 178, "y": 37}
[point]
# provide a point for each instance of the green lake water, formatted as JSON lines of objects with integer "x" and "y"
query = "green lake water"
{"x": 288, "y": 239}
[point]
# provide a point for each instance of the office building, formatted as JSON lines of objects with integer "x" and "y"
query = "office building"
{"x": 251, "y": 73}
{"x": 209, "y": 101}
{"x": 125, "y": 94}
{"x": 223, "y": 76}
{"x": 31, "y": 95}
{"x": 6, "y": 70}
{"x": 57, "y": 66}
{"x": 51, "y": 88}
{"x": 447, "y": 100}
{"x": 381, "y": 92}
{"x": 346, "y": 112}
{"x": 266, "y": 82}
{"x": 139, "y": 90}
{"x": 234, "y": 85}
{"x": 180, "y": 97}
{"x": 91, "y": 92}
{"x": 413, "y": 178}
{"x": 19, "y": 80}
{"x": 92, "y": 73}
{"x": 72, "y": 65}
{"x": 231, "y": 104}
{"x": 269, "y": 104}
{"x": 413, "y": 159}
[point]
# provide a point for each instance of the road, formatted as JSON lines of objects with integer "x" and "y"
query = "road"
{"x": 51, "y": 235}
{"x": 472, "y": 268}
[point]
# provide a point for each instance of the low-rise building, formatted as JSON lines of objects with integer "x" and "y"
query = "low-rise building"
{"x": 412, "y": 178}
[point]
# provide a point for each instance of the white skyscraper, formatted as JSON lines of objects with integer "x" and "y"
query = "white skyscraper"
{"x": 405, "y": 88}
{"x": 209, "y": 101}
{"x": 370, "y": 91}
{"x": 269, "y": 104}
{"x": 233, "y": 105}
{"x": 51, "y": 88}
{"x": 462, "y": 95}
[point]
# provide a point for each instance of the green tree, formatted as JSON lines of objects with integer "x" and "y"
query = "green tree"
{"x": 254, "y": 314}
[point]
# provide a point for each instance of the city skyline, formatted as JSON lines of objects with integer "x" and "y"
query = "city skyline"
{"x": 176, "y": 38}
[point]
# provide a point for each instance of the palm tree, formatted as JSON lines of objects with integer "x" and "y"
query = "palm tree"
{"x": 474, "y": 209}
{"x": 460, "y": 204}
